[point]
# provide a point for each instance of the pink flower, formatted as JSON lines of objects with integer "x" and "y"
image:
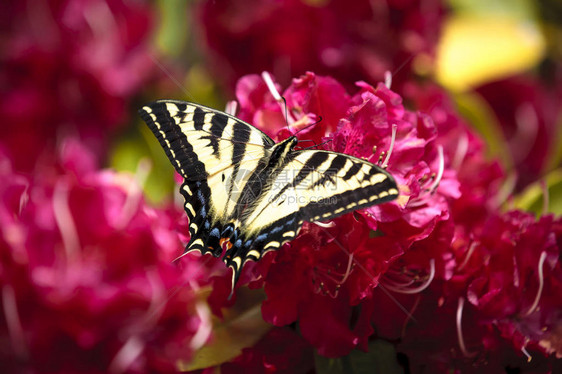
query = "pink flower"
{"x": 500, "y": 305}
{"x": 87, "y": 282}
{"x": 290, "y": 37}
{"x": 280, "y": 351}
{"x": 335, "y": 269}
{"x": 70, "y": 67}
{"x": 528, "y": 113}
{"x": 441, "y": 253}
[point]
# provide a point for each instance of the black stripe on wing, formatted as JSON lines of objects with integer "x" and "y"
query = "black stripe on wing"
{"x": 269, "y": 238}
{"x": 174, "y": 142}
{"x": 339, "y": 204}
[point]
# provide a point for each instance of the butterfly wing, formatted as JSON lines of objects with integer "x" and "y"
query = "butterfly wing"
{"x": 312, "y": 186}
{"x": 233, "y": 192}
{"x": 214, "y": 152}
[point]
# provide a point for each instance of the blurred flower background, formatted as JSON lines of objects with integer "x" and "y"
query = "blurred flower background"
{"x": 460, "y": 274}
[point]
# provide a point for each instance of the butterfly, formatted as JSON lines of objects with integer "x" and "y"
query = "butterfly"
{"x": 249, "y": 195}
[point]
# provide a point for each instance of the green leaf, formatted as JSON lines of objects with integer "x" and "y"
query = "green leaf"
{"x": 242, "y": 327}
{"x": 140, "y": 144}
{"x": 554, "y": 156}
{"x": 381, "y": 358}
{"x": 523, "y": 9}
{"x": 173, "y": 29}
{"x": 533, "y": 198}
{"x": 479, "y": 114}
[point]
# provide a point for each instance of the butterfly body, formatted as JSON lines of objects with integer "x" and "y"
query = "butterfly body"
{"x": 249, "y": 195}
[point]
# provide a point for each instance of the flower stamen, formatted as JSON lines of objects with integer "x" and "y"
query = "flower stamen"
{"x": 392, "y": 139}
{"x": 13, "y": 321}
{"x": 133, "y": 190}
{"x": 423, "y": 198}
{"x": 277, "y": 96}
{"x": 526, "y": 131}
{"x": 24, "y": 198}
{"x": 437, "y": 180}
{"x": 388, "y": 79}
{"x": 526, "y": 353}
{"x": 460, "y": 153}
{"x": 128, "y": 353}
{"x": 231, "y": 107}
{"x": 541, "y": 284}
{"x": 402, "y": 288}
{"x": 330, "y": 275}
{"x": 468, "y": 255}
{"x": 325, "y": 224}
{"x": 205, "y": 327}
{"x": 505, "y": 190}
{"x": 459, "y": 330}
{"x": 64, "y": 221}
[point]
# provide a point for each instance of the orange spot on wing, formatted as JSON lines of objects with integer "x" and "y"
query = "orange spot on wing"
{"x": 226, "y": 242}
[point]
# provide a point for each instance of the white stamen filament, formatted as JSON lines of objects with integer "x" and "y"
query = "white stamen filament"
{"x": 541, "y": 284}
{"x": 231, "y": 107}
{"x": 205, "y": 327}
{"x": 392, "y": 139}
{"x": 24, "y": 198}
{"x": 421, "y": 287}
{"x": 515, "y": 272}
{"x": 527, "y": 128}
{"x": 63, "y": 218}
{"x": 441, "y": 169}
{"x": 277, "y": 96}
{"x": 157, "y": 301}
{"x": 373, "y": 279}
{"x": 128, "y": 353}
{"x": 388, "y": 79}
{"x": 101, "y": 20}
{"x": 460, "y": 153}
{"x": 325, "y": 224}
{"x": 417, "y": 202}
{"x": 348, "y": 269}
{"x": 134, "y": 194}
{"x": 459, "y": 329}
{"x": 330, "y": 274}
{"x": 468, "y": 255}
{"x": 526, "y": 353}
{"x": 13, "y": 321}
{"x": 505, "y": 190}
{"x": 422, "y": 198}
{"x": 271, "y": 86}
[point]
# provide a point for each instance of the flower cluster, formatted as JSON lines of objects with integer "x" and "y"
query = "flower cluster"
{"x": 446, "y": 277}
{"x": 86, "y": 274}
{"x": 69, "y": 68}
{"x": 527, "y": 112}
{"x": 454, "y": 270}
{"x": 290, "y": 37}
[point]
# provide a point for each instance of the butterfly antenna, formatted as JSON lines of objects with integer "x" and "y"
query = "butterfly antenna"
{"x": 286, "y": 113}
{"x": 310, "y": 125}
{"x": 316, "y": 145}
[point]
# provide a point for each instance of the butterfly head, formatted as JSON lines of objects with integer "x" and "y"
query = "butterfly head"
{"x": 281, "y": 150}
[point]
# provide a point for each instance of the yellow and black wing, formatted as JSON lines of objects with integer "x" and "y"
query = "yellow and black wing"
{"x": 214, "y": 152}
{"x": 315, "y": 185}
{"x": 249, "y": 194}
